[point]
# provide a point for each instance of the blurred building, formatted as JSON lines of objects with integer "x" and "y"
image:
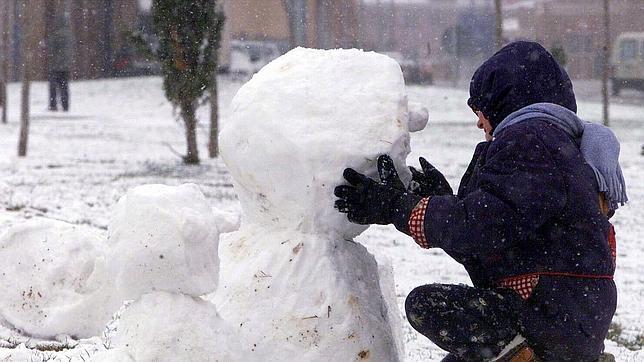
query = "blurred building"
{"x": 326, "y": 23}
{"x": 576, "y": 26}
{"x": 413, "y": 29}
{"x": 99, "y": 31}
{"x": 453, "y": 35}
{"x": 456, "y": 35}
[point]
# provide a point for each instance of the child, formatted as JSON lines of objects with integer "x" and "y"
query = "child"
{"x": 529, "y": 222}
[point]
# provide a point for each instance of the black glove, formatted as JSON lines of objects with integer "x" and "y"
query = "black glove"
{"x": 366, "y": 201}
{"x": 429, "y": 182}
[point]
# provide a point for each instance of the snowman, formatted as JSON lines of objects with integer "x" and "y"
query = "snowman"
{"x": 162, "y": 254}
{"x": 293, "y": 283}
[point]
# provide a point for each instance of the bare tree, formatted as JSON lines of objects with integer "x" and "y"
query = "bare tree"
{"x": 4, "y": 65}
{"x": 213, "y": 142}
{"x": 26, "y": 49}
{"x": 499, "y": 24}
{"x": 605, "y": 63}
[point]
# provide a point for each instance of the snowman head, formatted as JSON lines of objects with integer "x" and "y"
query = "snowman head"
{"x": 299, "y": 122}
{"x": 163, "y": 238}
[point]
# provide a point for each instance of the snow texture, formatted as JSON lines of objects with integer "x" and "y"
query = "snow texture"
{"x": 112, "y": 355}
{"x": 293, "y": 295}
{"x": 227, "y": 221}
{"x": 388, "y": 289}
{"x": 6, "y": 193}
{"x": 292, "y": 280}
{"x": 162, "y": 326}
{"x": 163, "y": 238}
{"x": 54, "y": 279}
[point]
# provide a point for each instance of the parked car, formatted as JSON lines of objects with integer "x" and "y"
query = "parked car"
{"x": 415, "y": 71}
{"x": 248, "y": 57}
{"x": 627, "y": 62}
{"x": 128, "y": 63}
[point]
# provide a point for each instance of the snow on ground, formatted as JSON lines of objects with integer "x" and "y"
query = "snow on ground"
{"x": 119, "y": 133}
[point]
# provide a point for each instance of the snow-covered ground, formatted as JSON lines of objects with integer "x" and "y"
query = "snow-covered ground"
{"x": 119, "y": 134}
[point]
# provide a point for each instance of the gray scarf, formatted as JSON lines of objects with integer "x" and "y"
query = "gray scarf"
{"x": 597, "y": 144}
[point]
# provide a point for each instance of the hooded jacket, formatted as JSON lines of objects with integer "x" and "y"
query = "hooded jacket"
{"x": 520, "y": 74}
{"x": 529, "y": 205}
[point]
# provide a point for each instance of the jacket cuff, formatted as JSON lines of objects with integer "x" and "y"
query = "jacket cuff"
{"x": 417, "y": 223}
{"x": 404, "y": 206}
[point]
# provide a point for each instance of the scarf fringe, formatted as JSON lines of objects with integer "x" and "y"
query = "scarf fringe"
{"x": 613, "y": 188}
{"x": 607, "y": 169}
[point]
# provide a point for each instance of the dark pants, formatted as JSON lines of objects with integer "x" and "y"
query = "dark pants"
{"x": 59, "y": 83}
{"x": 565, "y": 319}
{"x": 473, "y": 324}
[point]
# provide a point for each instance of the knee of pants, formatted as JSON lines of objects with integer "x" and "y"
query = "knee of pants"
{"x": 422, "y": 303}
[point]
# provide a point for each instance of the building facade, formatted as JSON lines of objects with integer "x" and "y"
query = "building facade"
{"x": 99, "y": 31}
{"x": 576, "y": 26}
{"x": 427, "y": 31}
{"x": 327, "y": 23}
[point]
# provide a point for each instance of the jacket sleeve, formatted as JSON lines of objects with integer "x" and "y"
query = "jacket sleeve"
{"x": 518, "y": 189}
{"x": 479, "y": 153}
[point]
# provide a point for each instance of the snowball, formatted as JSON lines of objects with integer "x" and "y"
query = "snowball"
{"x": 418, "y": 117}
{"x": 54, "y": 279}
{"x": 300, "y": 121}
{"x": 163, "y": 238}
{"x": 164, "y": 326}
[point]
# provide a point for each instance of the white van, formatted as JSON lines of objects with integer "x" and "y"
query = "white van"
{"x": 628, "y": 62}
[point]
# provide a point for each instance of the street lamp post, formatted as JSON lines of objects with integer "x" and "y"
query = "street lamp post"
{"x": 499, "y": 24}
{"x": 605, "y": 65}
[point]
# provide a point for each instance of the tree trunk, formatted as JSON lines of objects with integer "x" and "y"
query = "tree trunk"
{"x": 213, "y": 146}
{"x": 605, "y": 65}
{"x": 499, "y": 24}
{"x": 297, "y": 22}
{"x": 27, "y": 43}
{"x": 456, "y": 64}
{"x": 4, "y": 66}
{"x": 190, "y": 122}
{"x": 24, "y": 113}
{"x": 105, "y": 42}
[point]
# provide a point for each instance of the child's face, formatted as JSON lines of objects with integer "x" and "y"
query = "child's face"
{"x": 484, "y": 124}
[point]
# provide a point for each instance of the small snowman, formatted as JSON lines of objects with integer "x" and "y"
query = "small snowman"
{"x": 162, "y": 255}
{"x": 293, "y": 282}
